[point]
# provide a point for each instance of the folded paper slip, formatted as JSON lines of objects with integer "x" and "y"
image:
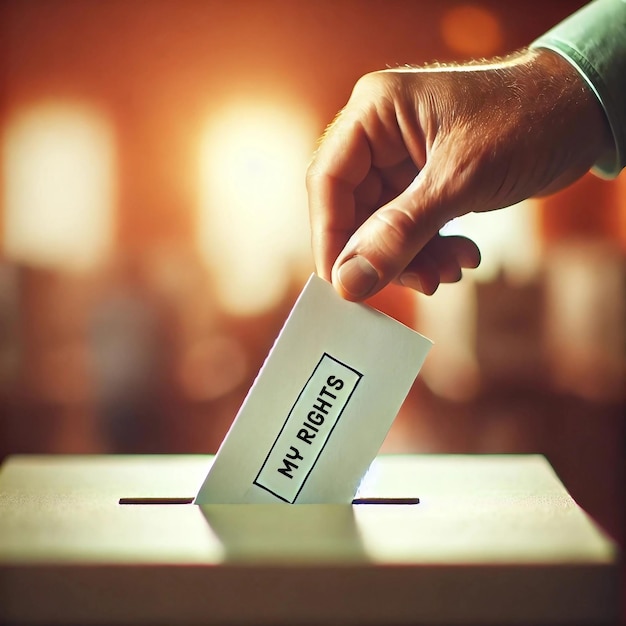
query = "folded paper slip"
{"x": 320, "y": 407}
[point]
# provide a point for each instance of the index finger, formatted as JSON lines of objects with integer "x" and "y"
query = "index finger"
{"x": 340, "y": 164}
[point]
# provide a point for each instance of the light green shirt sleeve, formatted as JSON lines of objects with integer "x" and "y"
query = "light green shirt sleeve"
{"x": 593, "y": 40}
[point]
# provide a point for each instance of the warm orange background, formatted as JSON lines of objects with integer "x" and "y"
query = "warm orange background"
{"x": 541, "y": 367}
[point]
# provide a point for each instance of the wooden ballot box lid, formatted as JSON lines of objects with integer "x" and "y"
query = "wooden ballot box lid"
{"x": 493, "y": 540}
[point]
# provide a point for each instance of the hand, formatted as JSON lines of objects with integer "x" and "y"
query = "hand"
{"x": 414, "y": 148}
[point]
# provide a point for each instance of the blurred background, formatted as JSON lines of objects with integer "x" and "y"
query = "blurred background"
{"x": 154, "y": 235}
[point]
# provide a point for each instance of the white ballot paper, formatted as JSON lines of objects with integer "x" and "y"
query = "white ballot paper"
{"x": 320, "y": 407}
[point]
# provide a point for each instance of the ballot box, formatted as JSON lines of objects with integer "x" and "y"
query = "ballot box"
{"x": 118, "y": 540}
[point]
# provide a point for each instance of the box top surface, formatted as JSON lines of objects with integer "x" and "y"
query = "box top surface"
{"x": 488, "y": 509}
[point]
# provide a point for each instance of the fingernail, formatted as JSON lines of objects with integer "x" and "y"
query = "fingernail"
{"x": 357, "y": 277}
{"x": 412, "y": 281}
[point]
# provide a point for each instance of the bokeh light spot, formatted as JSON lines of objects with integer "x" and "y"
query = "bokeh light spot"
{"x": 59, "y": 172}
{"x": 253, "y": 225}
{"x": 471, "y": 31}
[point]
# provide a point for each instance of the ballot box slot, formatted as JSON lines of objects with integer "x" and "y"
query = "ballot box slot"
{"x": 151, "y": 500}
{"x": 156, "y": 500}
{"x": 396, "y": 501}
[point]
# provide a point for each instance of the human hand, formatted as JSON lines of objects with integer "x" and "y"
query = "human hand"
{"x": 414, "y": 148}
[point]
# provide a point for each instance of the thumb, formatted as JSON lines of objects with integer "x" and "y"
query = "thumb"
{"x": 389, "y": 240}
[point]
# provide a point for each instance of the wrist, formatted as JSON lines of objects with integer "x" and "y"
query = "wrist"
{"x": 576, "y": 106}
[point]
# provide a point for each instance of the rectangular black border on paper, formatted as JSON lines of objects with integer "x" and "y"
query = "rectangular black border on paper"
{"x": 330, "y": 432}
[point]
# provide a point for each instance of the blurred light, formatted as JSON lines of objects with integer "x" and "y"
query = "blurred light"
{"x": 448, "y": 318}
{"x": 58, "y": 171}
{"x": 471, "y": 30}
{"x": 586, "y": 310}
{"x": 253, "y": 223}
{"x": 508, "y": 240}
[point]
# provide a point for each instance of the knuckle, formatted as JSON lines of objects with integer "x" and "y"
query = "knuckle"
{"x": 400, "y": 225}
{"x": 395, "y": 242}
{"x": 372, "y": 83}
